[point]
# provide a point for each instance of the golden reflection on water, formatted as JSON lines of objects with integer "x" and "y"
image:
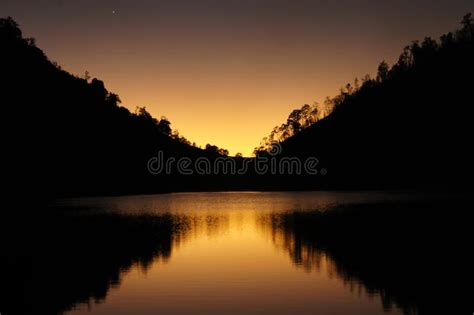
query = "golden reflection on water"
{"x": 230, "y": 258}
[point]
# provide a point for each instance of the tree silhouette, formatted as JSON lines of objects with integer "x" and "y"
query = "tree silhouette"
{"x": 85, "y": 141}
{"x": 164, "y": 126}
{"x": 9, "y": 29}
{"x": 389, "y": 129}
{"x": 382, "y": 72}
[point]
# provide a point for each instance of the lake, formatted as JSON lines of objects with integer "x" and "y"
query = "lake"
{"x": 240, "y": 253}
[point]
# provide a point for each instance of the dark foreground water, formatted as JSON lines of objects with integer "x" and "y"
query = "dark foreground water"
{"x": 251, "y": 253}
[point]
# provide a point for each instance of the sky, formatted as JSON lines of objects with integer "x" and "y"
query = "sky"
{"x": 226, "y": 72}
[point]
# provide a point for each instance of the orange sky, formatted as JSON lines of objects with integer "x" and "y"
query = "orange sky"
{"x": 227, "y": 72}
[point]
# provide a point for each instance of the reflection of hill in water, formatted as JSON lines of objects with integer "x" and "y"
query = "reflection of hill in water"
{"x": 63, "y": 260}
{"x": 403, "y": 254}
{"x": 415, "y": 257}
{"x": 77, "y": 259}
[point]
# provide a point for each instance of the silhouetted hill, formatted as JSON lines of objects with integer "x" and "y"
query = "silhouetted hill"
{"x": 408, "y": 128}
{"x": 69, "y": 135}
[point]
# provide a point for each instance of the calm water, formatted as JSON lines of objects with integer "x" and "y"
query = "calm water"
{"x": 228, "y": 253}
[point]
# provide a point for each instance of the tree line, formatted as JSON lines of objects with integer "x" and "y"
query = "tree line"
{"x": 414, "y": 55}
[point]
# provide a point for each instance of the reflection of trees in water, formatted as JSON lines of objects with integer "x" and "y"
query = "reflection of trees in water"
{"x": 394, "y": 252}
{"x": 208, "y": 224}
{"x": 306, "y": 254}
{"x": 307, "y": 257}
{"x": 77, "y": 259}
{"x": 414, "y": 257}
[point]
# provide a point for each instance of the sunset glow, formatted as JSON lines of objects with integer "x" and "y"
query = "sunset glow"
{"x": 227, "y": 72}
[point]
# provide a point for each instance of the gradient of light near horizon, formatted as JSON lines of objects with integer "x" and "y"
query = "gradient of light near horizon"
{"x": 226, "y": 72}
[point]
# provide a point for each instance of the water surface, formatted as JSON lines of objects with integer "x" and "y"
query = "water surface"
{"x": 241, "y": 253}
